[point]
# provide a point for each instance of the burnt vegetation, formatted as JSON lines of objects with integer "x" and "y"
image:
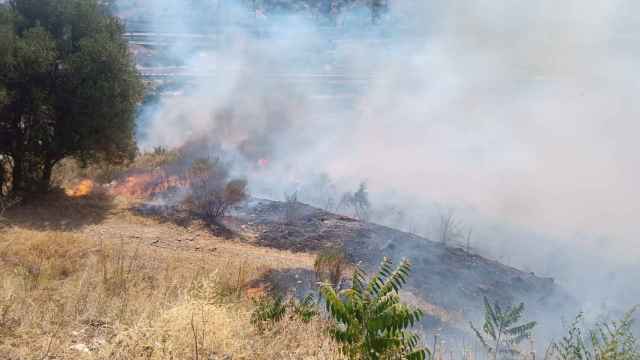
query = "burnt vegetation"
{"x": 330, "y": 265}
{"x": 357, "y": 202}
{"x": 212, "y": 193}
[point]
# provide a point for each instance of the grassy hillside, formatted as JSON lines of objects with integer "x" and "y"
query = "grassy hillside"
{"x": 64, "y": 296}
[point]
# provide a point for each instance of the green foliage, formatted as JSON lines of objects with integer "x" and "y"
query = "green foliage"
{"x": 329, "y": 265}
{"x": 612, "y": 340}
{"x": 370, "y": 320}
{"x": 268, "y": 311}
{"x": 68, "y": 87}
{"x": 500, "y": 333}
{"x": 305, "y": 310}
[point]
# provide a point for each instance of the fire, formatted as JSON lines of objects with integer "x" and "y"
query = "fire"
{"x": 145, "y": 185}
{"x": 83, "y": 188}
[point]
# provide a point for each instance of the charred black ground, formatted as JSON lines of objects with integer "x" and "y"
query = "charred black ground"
{"x": 448, "y": 277}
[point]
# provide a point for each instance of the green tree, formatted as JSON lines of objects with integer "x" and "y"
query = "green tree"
{"x": 370, "y": 321}
{"x": 613, "y": 340}
{"x": 68, "y": 87}
{"x": 501, "y": 334}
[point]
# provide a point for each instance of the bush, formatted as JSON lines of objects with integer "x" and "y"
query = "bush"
{"x": 5, "y": 175}
{"x": 268, "y": 311}
{"x": 160, "y": 157}
{"x": 370, "y": 321}
{"x": 358, "y": 202}
{"x": 6, "y": 202}
{"x": 67, "y": 172}
{"x": 501, "y": 334}
{"x": 291, "y": 207}
{"x": 305, "y": 310}
{"x": 612, "y": 340}
{"x": 271, "y": 310}
{"x": 329, "y": 265}
{"x": 212, "y": 193}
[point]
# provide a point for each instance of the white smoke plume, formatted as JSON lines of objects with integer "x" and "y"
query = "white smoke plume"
{"x": 519, "y": 114}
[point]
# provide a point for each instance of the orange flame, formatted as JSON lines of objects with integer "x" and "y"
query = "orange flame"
{"x": 83, "y": 188}
{"x": 147, "y": 184}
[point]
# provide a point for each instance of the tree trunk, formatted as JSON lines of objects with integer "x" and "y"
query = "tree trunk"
{"x": 17, "y": 174}
{"x": 45, "y": 179}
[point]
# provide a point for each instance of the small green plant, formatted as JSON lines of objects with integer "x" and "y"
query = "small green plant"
{"x": 329, "y": 265}
{"x": 268, "y": 311}
{"x": 612, "y": 340}
{"x": 370, "y": 321}
{"x": 305, "y": 310}
{"x": 500, "y": 335}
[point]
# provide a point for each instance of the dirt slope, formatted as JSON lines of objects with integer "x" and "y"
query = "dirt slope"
{"x": 447, "y": 282}
{"x": 444, "y": 276}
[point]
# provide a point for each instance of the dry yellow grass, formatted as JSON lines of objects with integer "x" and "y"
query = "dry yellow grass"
{"x": 63, "y": 296}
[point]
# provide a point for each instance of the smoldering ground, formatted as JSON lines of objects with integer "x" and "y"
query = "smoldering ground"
{"x": 519, "y": 115}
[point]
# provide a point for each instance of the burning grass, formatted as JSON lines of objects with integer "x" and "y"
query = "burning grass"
{"x": 84, "y": 188}
{"x": 146, "y": 185}
{"x": 63, "y": 296}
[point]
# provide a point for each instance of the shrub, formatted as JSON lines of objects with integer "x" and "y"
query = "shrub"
{"x": 158, "y": 158}
{"x": 501, "y": 334}
{"x": 305, "y": 310}
{"x": 6, "y": 202}
{"x": 5, "y": 175}
{"x": 211, "y": 192}
{"x": 291, "y": 207}
{"x": 612, "y": 340}
{"x": 329, "y": 265}
{"x": 449, "y": 229}
{"x": 268, "y": 311}
{"x": 358, "y": 201}
{"x": 370, "y": 321}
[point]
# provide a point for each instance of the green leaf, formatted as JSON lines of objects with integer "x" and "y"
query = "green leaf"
{"x": 370, "y": 320}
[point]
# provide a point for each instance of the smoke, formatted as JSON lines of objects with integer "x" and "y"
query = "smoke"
{"x": 519, "y": 115}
